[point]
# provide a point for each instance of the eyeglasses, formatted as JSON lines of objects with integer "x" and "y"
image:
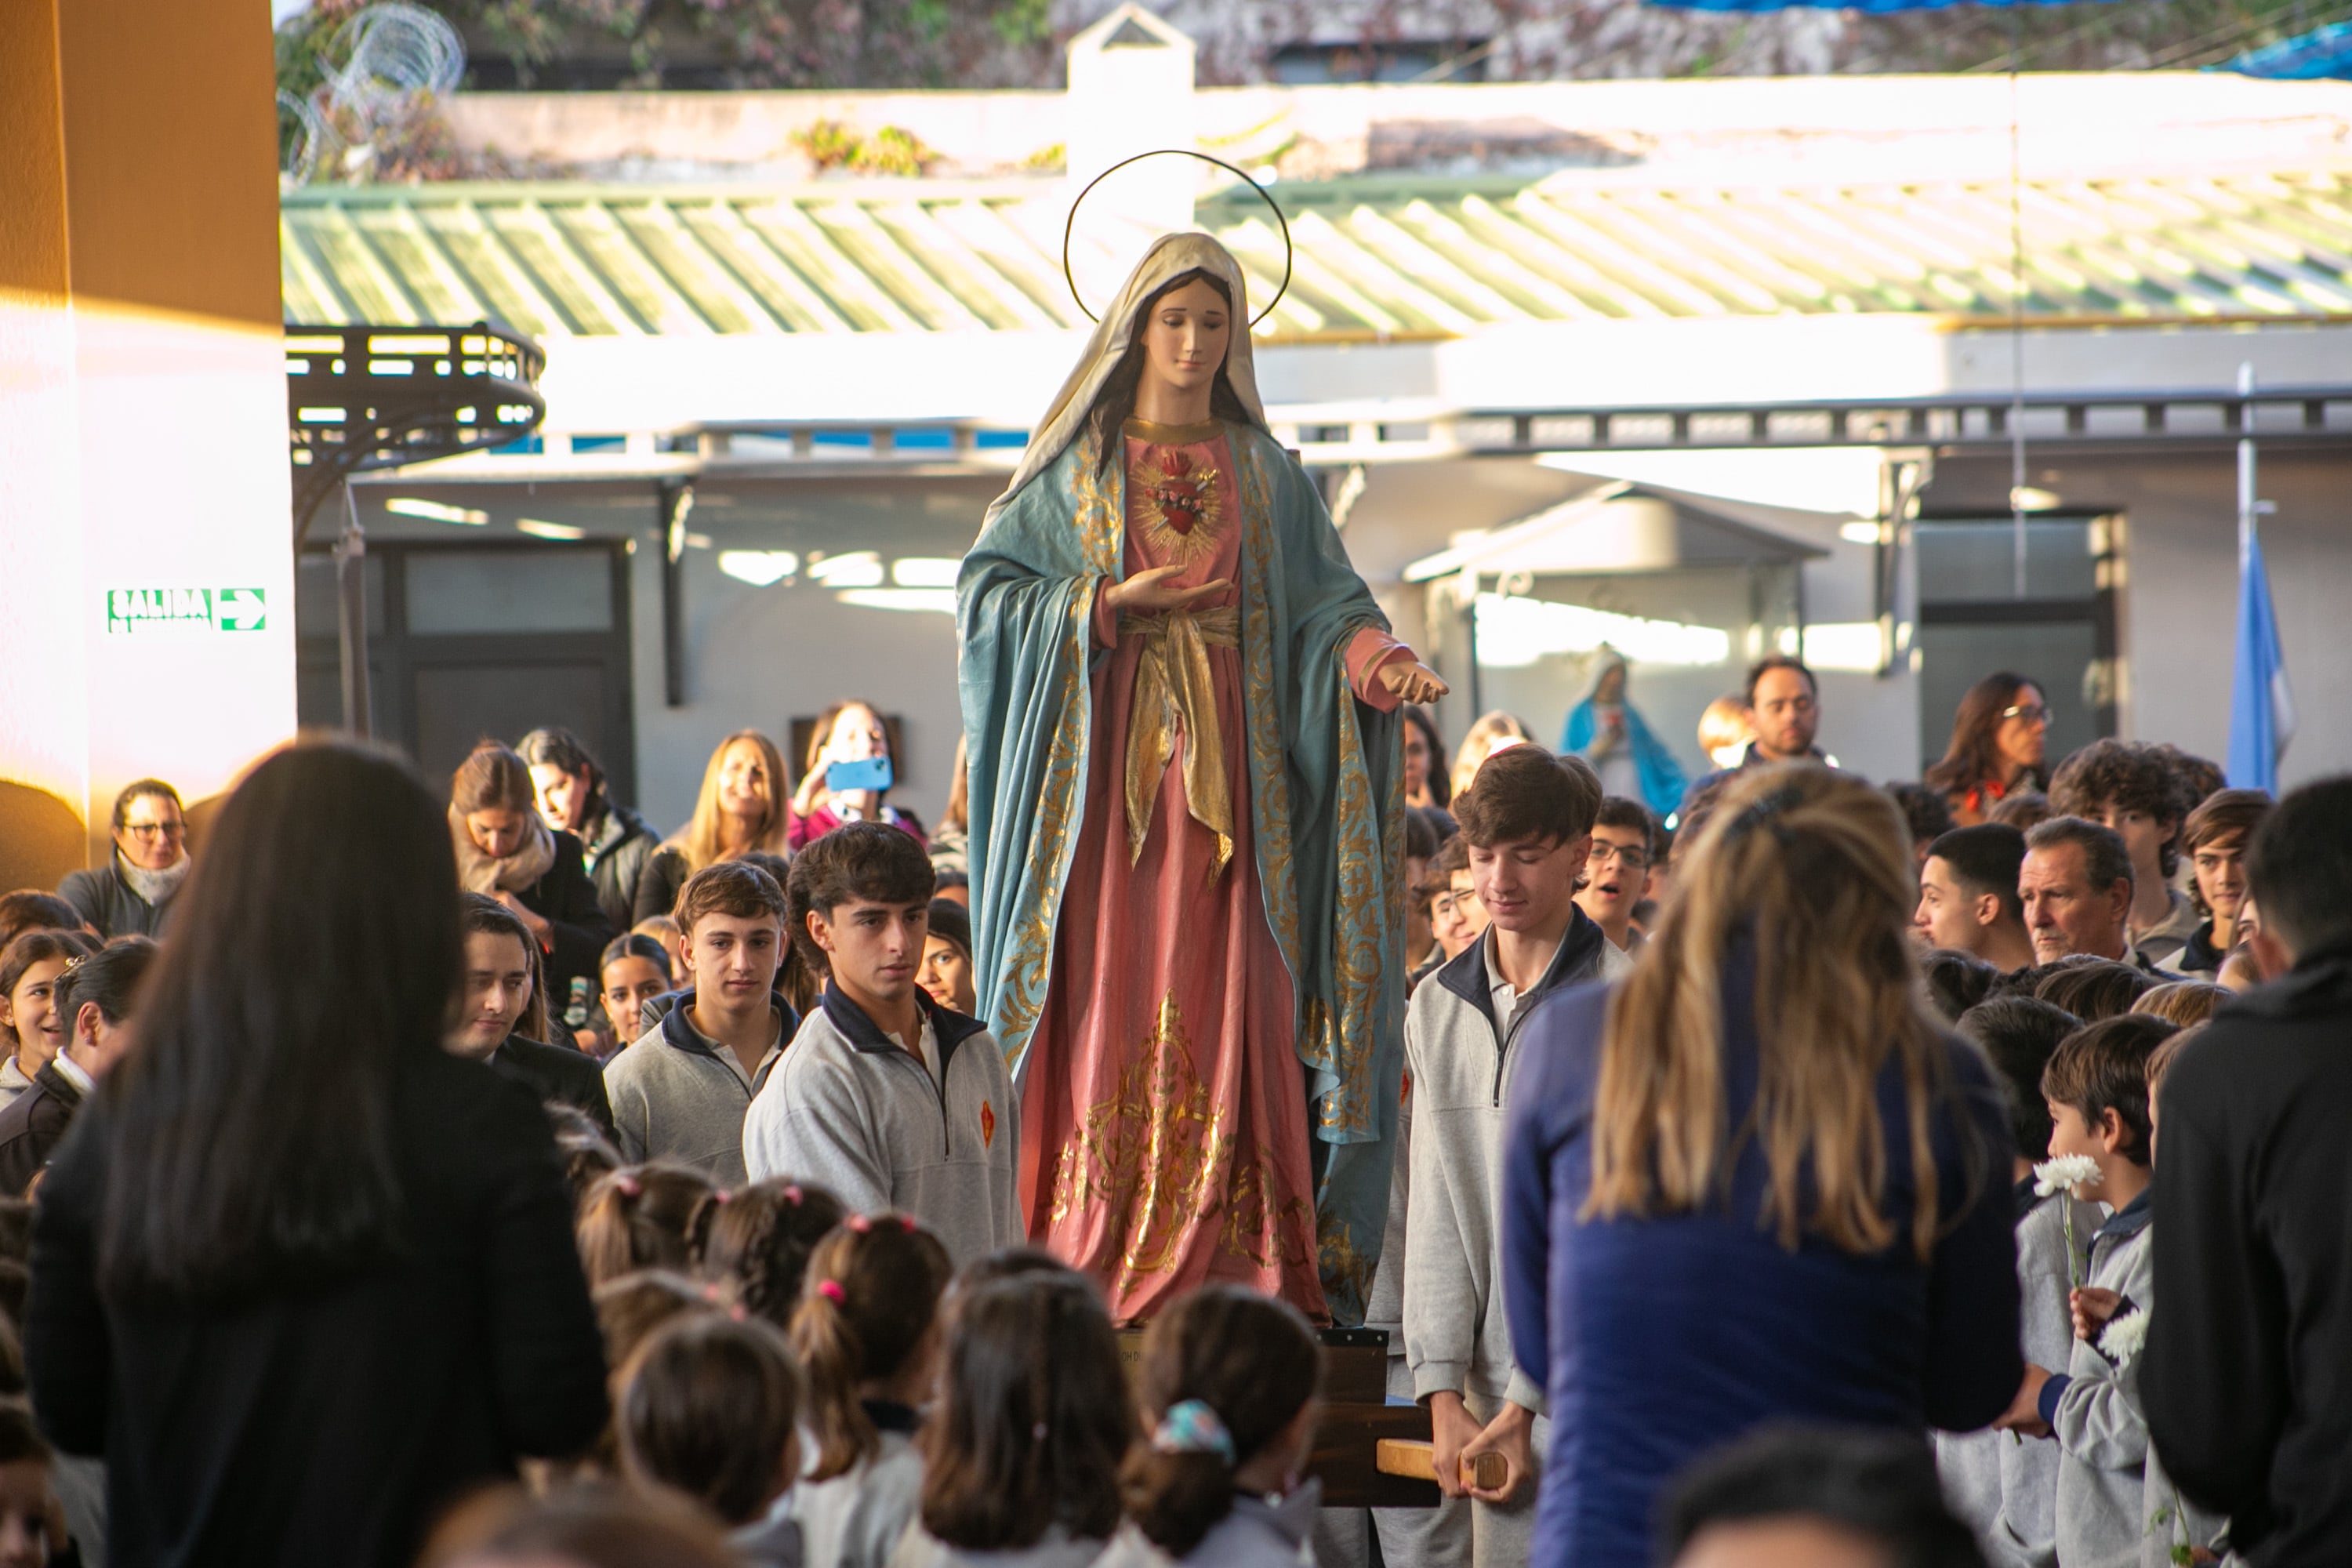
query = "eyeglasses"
{"x": 2031, "y": 713}
{"x": 155, "y": 829}
{"x": 1446, "y": 903}
{"x": 1626, "y": 854}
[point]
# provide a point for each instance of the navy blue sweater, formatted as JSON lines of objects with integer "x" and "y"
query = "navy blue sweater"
{"x": 1660, "y": 1339}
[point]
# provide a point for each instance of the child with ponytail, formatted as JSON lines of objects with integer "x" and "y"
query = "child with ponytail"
{"x": 1021, "y": 1460}
{"x": 1228, "y": 1384}
{"x": 866, "y": 1334}
{"x": 757, "y": 1241}
{"x": 638, "y": 1217}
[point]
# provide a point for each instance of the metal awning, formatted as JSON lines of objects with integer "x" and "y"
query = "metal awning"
{"x": 1620, "y": 527}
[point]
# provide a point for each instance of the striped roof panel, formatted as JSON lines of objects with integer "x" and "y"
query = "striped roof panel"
{"x": 1426, "y": 259}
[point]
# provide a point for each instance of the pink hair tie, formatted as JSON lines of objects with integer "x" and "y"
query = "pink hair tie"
{"x": 858, "y": 1223}
{"x": 792, "y": 1196}
{"x": 832, "y": 1291}
{"x": 713, "y": 1293}
{"x": 722, "y": 1195}
{"x": 908, "y": 1222}
{"x": 629, "y": 1185}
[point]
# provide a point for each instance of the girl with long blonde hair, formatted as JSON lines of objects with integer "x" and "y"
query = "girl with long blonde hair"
{"x": 744, "y": 808}
{"x": 1756, "y": 1181}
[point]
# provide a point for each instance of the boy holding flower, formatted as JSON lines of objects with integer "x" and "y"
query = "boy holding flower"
{"x": 2096, "y": 1085}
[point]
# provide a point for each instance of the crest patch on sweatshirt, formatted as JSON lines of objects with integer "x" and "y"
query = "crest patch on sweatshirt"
{"x": 987, "y": 1125}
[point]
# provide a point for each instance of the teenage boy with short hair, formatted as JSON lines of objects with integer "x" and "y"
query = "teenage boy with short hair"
{"x": 887, "y": 1099}
{"x": 1625, "y": 845}
{"x": 496, "y": 1018}
{"x": 680, "y": 1091}
{"x": 1527, "y": 819}
{"x": 2131, "y": 788}
{"x": 1967, "y": 896}
{"x": 2097, "y": 1085}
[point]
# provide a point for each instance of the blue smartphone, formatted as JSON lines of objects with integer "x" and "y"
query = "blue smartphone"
{"x": 873, "y": 774}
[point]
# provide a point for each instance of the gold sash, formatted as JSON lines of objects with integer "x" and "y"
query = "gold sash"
{"x": 1174, "y": 691}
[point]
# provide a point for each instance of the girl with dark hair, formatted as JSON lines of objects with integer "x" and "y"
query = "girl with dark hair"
{"x": 31, "y": 1028}
{"x": 867, "y": 1335}
{"x": 641, "y": 1217}
{"x": 93, "y": 998}
{"x": 1425, "y": 780}
{"x": 506, "y": 852}
{"x": 295, "y": 1226}
{"x": 1181, "y": 705}
{"x": 617, "y": 844}
{"x": 1021, "y": 1458}
{"x": 706, "y": 1408}
{"x": 633, "y": 970}
{"x": 1228, "y": 1386}
{"x": 1998, "y": 737}
{"x": 756, "y": 1242}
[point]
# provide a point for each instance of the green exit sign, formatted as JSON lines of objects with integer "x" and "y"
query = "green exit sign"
{"x": 186, "y": 609}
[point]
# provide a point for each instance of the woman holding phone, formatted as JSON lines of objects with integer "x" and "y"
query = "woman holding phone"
{"x": 850, "y": 773}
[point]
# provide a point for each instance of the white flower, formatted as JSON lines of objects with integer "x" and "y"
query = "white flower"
{"x": 2124, "y": 1336}
{"x": 2063, "y": 1174}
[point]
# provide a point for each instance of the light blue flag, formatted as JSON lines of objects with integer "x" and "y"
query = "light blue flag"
{"x": 2262, "y": 707}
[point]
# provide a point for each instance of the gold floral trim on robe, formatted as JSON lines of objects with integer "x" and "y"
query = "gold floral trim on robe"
{"x": 1348, "y": 1112}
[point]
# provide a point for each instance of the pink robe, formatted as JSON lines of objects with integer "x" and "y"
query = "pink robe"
{"x": 1164, "y": 1114}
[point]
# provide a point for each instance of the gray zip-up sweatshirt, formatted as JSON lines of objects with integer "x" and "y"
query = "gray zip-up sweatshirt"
{"x": 856, "y": 1112}
{"x": 1456, "y": 1337}
{"x": 2093, "y": 1409}
{"x": 677, "y": 1094}
{"x": 2006, "y": 1490}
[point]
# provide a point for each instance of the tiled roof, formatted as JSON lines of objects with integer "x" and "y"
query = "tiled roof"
{"x": 1418, "y": 258}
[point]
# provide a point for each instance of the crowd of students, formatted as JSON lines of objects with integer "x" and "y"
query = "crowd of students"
{"x": 1805, "y": 1101}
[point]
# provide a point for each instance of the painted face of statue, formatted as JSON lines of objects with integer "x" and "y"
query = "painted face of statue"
{"x": 1186, "y": 336}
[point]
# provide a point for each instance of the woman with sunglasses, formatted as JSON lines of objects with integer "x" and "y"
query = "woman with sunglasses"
{"x": 131, "y": 894}
{"x": 1998, "y": 737}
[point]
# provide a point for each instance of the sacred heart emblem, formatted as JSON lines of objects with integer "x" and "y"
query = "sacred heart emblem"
{"x": 987, "y": 1125}
{"x": 1181, "y": 506}
{"x": 1180, "y": 494}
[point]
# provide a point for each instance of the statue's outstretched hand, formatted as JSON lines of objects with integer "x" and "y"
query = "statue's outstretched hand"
{"x": 1149, "y": 591}
{"x": 1414, "y": 682}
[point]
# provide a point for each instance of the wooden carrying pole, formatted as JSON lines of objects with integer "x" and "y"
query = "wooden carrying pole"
{"x": 1403, "y": 1457}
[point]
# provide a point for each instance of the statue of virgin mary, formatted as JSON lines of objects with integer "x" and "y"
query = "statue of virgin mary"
{"x": 1186, "y": 813}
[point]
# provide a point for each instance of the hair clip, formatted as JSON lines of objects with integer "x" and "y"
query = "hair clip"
{"x": 1766, "y": 811}
{"x": 832, "y": 1291}
{"x": 792, "y": 1196}
{"x": 630, "y": 1186}
{"x": 858, "y": 1223}
{"x": 1190, "y": 1426}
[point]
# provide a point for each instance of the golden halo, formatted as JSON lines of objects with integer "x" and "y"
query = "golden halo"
{"x": 1069, "y": 224}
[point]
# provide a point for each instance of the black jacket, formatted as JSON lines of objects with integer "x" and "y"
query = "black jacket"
{"x": 617, "y": 854}
{"x": 107, "y": 901}
{"x": 2249, "y": 1355}
{"x": 567, "y": 900}
{"x": 331, "y": 1425}
{"x": 32, "y": 1126}
{"x": 551, "y": 1073}
{"x": 659, "y": 883}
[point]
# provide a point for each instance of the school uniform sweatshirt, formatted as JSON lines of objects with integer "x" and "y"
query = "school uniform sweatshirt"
{"x": 877, "y": 1124}
{"x": 2093, "y": 1409}
{"x": 1458, "y": 1338}
{"x": 678, "y": 1094}
{"x": 2006, "y": 1490}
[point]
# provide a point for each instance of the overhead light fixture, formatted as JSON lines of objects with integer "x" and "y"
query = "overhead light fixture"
{"x": 1514, "y": 632}
{"x": 940, "y": 601}
{"x": 539, "y": 529}
{"x": 858, "y": 569}
{"x": 2027, "y": 498}
{"x": 1861, "y": 531}
{"x": 760, "y": 568}
{"x": 924, "y": 571}
{"x": 433, "y": 511}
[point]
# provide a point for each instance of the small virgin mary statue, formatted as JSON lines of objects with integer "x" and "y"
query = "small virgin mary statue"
{"x": 1187, "y": 822}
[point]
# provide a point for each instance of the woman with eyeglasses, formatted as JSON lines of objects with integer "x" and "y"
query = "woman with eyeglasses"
{"x": 1999, "y": 738}
{"x": 131, "y": 894}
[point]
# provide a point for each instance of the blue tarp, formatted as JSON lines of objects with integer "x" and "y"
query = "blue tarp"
{"x": 2324, "y": 52}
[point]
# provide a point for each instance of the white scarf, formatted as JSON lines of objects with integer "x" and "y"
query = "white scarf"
{"x": 156, "y": 887}
{"x": 479, "y": 873}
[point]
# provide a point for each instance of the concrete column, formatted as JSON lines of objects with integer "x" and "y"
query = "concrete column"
{"x": 147, "y": 625}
